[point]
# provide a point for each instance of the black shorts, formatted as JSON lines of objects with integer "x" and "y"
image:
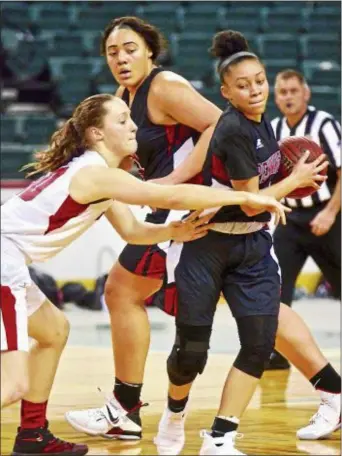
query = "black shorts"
{"x": 243, "y": 267}
{"x": 144, "y": 260}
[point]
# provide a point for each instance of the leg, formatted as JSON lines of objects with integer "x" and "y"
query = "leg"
{"x": 326, "y": 251}
{"x": 198, "y": 285}
{"x": 136, "y": 276}
{"x": 14, "y": 344}
{"x": 14, "y": 376}
{"x": 291, "y": 256}
{"x": 125, "y": 296}
{"x": 252, "y": 290}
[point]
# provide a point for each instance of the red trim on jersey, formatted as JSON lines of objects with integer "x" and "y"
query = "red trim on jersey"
{"x": 39, "y": 185}
{"x": 7, "y": 306}
{"x": 184, "y": 133}
{"x": 68, "y": 209}
{"x": 218, "y": 170}
{"x": 170, "y": 136}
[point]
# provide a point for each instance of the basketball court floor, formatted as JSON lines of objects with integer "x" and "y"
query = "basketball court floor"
{"x": 283, "y": 402}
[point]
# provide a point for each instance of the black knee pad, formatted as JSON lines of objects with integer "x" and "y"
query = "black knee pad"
{"x": 257, "y": 337}
{"x": 189, "y": 354}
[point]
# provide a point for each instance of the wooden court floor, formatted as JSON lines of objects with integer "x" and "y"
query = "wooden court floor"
{"x": 283, "y": 402}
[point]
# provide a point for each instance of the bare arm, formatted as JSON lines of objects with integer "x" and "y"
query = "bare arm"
{"x": 96, "y": 182}
{"x": 179, "y": 101}
{"x": 135, "y": 231}
{"x": 334, "y": 205}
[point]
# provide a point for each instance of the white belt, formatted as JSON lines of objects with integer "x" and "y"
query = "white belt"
{"x": 237, "y": 227}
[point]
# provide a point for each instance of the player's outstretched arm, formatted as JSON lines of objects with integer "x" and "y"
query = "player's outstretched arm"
{"x": 95, "y": 183}
{"x": 135, "y": 231}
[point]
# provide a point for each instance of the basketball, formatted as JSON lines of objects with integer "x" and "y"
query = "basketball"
{"x": 292, "y": 149}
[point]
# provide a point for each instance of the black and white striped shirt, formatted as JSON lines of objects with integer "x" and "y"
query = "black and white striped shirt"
{"x": 322, "y": 128}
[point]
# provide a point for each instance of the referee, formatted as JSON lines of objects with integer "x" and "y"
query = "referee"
{"x": 314, "y": 226}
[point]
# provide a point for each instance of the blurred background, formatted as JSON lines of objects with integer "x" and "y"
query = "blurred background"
{"x": 50, "y": 58}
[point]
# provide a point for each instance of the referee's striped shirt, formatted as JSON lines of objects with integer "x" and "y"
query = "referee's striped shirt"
{"x": 322, "y": 128}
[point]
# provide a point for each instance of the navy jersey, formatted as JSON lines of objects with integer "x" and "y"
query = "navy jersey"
{"x": 239, "y": 150}
{"x": 160, "y": 147}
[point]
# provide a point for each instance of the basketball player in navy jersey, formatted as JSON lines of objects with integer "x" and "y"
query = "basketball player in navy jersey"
{"x": 235, "y": 258}
{"x": 175, "y": 124}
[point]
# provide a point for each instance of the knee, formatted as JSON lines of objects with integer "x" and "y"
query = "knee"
{"x": 189, "y": 354}
{"x": 257, "y": 336}
{"x": 59, "y": 333}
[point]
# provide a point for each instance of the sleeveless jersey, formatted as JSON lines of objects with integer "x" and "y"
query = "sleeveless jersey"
{"x": 161, "y": 148}
{"x": 43, "y": 218}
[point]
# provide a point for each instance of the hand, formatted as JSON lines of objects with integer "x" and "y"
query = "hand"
{"x": 322, "y": 222}
{"x": 307, "y": 174}
{"x": 191, "y": 228}
{"x": 269, "y": 204}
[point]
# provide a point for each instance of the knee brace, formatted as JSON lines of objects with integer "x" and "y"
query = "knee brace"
{"x": 257, "y": 336}
{"x": 189, "y": 354}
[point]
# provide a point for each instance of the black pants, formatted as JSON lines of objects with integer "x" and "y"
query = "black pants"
{"x": 294, "y": 243}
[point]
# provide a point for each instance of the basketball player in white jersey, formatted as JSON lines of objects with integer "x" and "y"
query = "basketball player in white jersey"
{"x": 80, "y": 183}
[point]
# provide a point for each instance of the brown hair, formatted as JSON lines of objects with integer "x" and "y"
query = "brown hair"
{"x": 152, "y": 36}
{"x": 291, "y": 73}
{"x": 70, "y": 140}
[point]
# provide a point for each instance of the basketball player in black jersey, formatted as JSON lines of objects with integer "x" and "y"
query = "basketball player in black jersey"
{"x": 128, "y": 317}
{"x": 234, "y": 258}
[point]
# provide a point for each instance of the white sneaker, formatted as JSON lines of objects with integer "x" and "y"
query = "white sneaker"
{"x": 171, "y": 435}
{"x": 219, "y": 445}
{"x": 326, "y": 420}
{"x": 111, "y": 421}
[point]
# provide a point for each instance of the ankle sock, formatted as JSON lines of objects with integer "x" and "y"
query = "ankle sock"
{"x": 33, "y": 415}
{"x": 177, "y": 406}
{"x": 328, "y": 380}
{"x": 222, "y": 425}
{"x": 128, "y": 394}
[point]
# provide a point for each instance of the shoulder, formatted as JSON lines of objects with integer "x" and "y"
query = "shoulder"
{"x": 166, "y": 81}
{"x": 231, "y": 125}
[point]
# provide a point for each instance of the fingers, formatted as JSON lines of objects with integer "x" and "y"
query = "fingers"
{"x": 304, "y": 157}
{"x": 193, "y": 216}
{"x": 319, "y": 160}
{"x": 322, "y": 166}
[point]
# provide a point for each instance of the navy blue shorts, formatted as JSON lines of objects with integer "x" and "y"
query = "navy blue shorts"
{"x": 242, "y": 267}
{"x": 144, "y": 260}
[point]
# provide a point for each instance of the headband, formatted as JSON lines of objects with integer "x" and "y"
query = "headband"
{"x": 225, "y": 63}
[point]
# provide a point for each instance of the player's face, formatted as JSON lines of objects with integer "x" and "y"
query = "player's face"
{"x": 246, "y": 87}
{"x": 291, "y": 96}
{"x": 119, "y": 130}
{"x": 128, "y": 57}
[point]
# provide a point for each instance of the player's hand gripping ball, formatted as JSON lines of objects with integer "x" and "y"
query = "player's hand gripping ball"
{"x": 292, "y": 149}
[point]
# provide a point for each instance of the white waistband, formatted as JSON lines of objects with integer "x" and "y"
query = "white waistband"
{"x": 237, "y": 227}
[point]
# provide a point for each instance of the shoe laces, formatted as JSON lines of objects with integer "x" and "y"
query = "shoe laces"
{"x": 322, "y": 413}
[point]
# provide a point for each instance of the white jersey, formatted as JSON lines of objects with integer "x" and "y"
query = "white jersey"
{"x": 43, "y": 219}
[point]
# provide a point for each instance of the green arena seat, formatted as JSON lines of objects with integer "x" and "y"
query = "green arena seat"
{"x": 38, "y": 129}
{"x": 321, "y": 46}
{"x": 277, "y": 45}
{"x": 9, "y": 128}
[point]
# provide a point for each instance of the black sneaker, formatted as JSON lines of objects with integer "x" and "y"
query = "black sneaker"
{"x": 40, "y": 442}
{"x": 277, "y": 362}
